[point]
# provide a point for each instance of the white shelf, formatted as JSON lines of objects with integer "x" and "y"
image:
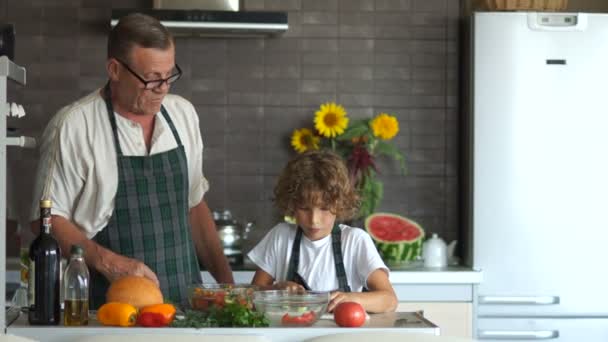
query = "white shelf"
{"x": 16, "y": 73}
{"x": 23, "y": 141}
{"x": 12, "y": 71}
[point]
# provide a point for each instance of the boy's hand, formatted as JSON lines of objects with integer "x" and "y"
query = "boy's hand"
{"x": 289, "y": 286}
{"x": 338, "y": 297}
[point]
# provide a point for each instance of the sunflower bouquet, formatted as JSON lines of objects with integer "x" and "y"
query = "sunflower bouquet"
{"x": 359, "y": 142}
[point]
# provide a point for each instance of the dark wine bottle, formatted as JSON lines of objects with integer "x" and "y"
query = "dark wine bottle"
{"x": 45, "y": 270}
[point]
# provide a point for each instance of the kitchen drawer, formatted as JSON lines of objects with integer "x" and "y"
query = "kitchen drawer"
{"x": 534, "y": 329}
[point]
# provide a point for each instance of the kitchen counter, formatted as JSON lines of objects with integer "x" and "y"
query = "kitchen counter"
{"x": 449, "y": 275}
{"x": 438, "y": 293}
{"x": 404, "y": 275}
{"x": 414, "y": 284}
{"x": 402, "y": 322}
{"x": 453, "y": 283}
{"x": 424, "y": 275}
{"x": 411, "y": 275}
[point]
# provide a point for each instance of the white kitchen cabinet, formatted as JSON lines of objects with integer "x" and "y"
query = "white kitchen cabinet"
{"x": 453, "y": 318}
{"x": 445, "y": 297}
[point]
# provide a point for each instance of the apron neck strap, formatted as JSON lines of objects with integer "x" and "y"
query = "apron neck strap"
{"x": 336, "y": 243}
{"x": 294, "y": 260}
{"x": 107, "y": 95}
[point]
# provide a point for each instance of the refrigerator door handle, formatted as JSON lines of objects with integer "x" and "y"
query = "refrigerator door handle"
{"x": 517, "y": 334}
{"x": 518, "y": 300}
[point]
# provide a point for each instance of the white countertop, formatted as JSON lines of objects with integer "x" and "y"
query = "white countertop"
{"x": 417, "y": 275}
{"x": 393, "y": 322}
{"x": 421, "y": 275}
{"x": 448, "y": 275}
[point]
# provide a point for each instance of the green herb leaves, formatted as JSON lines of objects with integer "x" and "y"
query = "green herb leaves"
{"x": 231, "y": 315}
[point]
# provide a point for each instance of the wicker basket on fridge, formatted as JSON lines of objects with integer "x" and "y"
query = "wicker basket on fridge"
{"x": 516, "y": 5}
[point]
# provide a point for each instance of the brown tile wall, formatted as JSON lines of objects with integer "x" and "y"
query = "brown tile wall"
{"x": 395, "y": 56}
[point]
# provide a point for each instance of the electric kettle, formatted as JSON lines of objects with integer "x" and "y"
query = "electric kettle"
{"x": 435, "y": 252}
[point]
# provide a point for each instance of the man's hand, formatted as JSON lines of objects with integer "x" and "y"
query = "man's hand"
{"x": 106, "y": 262}
{"x": 116, "y": 266}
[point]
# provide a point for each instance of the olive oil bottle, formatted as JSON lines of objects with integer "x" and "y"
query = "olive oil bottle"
{"x": 76, "y": 289}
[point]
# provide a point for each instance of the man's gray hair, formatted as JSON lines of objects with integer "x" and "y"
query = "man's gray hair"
{"x": 137, "y": 29}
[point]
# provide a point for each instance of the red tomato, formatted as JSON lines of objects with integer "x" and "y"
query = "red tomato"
{"x": 349, "y": 314}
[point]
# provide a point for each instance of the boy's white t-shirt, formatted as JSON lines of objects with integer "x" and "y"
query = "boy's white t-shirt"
{"x": 317, "y": 265}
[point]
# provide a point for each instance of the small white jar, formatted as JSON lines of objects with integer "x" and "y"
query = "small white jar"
{"x": 434, "y": 252}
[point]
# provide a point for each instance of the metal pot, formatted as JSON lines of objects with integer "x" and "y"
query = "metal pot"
{"x": 232, "y": 234}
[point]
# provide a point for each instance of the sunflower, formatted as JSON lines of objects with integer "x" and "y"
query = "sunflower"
{"x": 331, "y": 120}
{"x": 303, "y": 140}
{"x": 384, "y": 126}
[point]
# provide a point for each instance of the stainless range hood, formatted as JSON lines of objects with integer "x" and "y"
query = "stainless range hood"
{"x": 219, "y": 18}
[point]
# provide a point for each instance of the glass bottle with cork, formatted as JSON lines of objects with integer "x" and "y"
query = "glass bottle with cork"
{"x": 76, "y": 289}
{"x": 44, "y": 273}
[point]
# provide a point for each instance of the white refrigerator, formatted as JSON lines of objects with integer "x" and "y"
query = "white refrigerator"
{"x": 538, "y": 175}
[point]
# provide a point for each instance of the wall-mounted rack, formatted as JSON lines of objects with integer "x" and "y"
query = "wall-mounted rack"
{"x": 15, "y": 73}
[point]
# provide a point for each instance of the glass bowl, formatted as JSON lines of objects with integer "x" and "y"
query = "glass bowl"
{"x": 202, "y": 297}
{"x": 289, "y": 308}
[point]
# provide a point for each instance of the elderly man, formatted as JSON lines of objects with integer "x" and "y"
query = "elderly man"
{"x": 123, "y": 168}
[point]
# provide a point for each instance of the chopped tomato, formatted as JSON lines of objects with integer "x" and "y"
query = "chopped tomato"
{"x": 200, "y": 303}
{"x": 219, "y": 299}
{"x": 203, "y": 299}
{"x": 306, "y": 318}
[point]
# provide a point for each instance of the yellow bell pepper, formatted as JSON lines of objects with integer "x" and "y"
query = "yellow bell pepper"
{"x": 117, "y": 314}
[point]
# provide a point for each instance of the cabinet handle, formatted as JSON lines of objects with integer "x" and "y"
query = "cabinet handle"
{"x": 517, "y": 334}
{"x": 518, "y": 300}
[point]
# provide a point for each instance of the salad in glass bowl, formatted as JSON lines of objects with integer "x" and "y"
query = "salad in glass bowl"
{"x": 203, "y": 297}
{"x": 291, "y": 308}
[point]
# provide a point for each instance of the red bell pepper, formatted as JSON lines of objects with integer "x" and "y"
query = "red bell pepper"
{"x": 166, "y": 310}
{"x": 151, "y": 319}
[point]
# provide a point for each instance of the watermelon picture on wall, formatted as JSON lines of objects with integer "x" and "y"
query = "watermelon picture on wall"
{"x": 397, "y": 238}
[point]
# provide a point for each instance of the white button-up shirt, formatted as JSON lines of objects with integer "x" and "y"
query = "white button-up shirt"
{"x": 77, "y": 168}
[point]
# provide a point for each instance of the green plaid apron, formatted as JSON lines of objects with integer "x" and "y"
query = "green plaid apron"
{"x": 336, "y": 244}
{"x": 150, "y": 218}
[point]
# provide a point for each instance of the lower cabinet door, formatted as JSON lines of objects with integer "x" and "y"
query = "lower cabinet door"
{"x": 453, "y": 319}
{"x": 550, "y": 329}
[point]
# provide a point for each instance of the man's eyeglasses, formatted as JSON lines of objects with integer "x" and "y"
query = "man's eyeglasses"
{"x": 153, "y": 84}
